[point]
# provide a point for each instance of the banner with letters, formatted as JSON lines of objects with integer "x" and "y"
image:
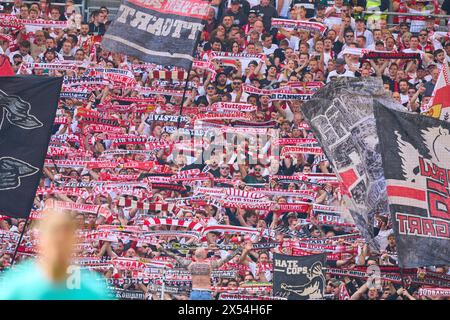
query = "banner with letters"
{"x": 162, "y": 32}
{"x": 416, "y": 158}
{"x": 299, "y": 277}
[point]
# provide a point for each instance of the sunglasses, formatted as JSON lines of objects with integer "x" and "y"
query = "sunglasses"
{"x": 210, "y": 88}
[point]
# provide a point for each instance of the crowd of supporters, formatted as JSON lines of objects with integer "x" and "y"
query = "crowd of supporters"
{"x": 129, "y": 172}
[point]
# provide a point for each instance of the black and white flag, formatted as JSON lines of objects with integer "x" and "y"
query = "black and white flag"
{"x": 416, "y": 161}
{"x": 163, "y": 32}
{"x": 299, "y": 278}
{"x": 341, "y": 116}
{"x": 27, "y": 111}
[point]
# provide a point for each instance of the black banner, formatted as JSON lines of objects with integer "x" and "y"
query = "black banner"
{"x": 27, "y": 111}
{"x": 163, "y": 32}
{"x": 416, "y": 161}
{"x": 341, "y": 116}
{"x": 299, "y": 278}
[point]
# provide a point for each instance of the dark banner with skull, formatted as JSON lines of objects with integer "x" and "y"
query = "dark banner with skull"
{"x": 27, "y": 111}
{"x": 299, "y": 278}
{"x": 341, "y": 116}
{"x": 163, "y": 32}
{"x": 416, "y": 158}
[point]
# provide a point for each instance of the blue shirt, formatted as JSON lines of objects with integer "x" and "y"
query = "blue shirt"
{"x": 28, "y": 282}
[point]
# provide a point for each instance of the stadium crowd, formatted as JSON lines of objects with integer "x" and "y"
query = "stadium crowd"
{"x": 142, "y": 192}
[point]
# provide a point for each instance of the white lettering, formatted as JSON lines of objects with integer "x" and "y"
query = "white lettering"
{"x": 126, "y": 11}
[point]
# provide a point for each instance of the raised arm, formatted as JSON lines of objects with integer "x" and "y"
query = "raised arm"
{"x": 183, "y": 262}
{"x": 218, "y": 263}
{"x": 358, "y": 294}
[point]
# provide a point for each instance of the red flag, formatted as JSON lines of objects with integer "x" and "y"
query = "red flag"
{"x": 439, "y": 105}
{"x": 5, "y": 67}
{"x": 343, "y": 293}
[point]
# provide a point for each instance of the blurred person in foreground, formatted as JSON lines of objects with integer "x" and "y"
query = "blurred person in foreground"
{"x": 50, "y": 276}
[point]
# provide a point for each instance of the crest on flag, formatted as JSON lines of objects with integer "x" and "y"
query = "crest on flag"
{"x": 439, "y": 106}
{"x": 27, "y": 111}
{"x": 416, "y": 161}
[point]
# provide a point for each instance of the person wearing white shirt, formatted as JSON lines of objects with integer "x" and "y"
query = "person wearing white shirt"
{"x": 283, "y": 8}
{"x": 403, "y": 87}
{"x": 327, "y": 51}
{"x": 362, "y": 31}
{"x": 414, "y": 48}
{"x": 24, "y": 49}
{"x": 15, "y": 10}
{"x": 340, "y": 71}
{"x": 333, "y": 14}
{"x": 377, "y": 37}
{"x": 268, "y": 46}
{"x": 293, "y": 41}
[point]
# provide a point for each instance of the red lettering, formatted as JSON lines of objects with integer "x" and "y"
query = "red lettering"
{"x": 401, "y": 219}
{"x": 442, "y": 229}
{"x": 428, "y": 227}
{"x": 414, "y": 225}
{"x": 426, "y": 172}
{"x": 442, "y": 176}
{"x": 439, "y": 205}
{"x": 436, "y": 186}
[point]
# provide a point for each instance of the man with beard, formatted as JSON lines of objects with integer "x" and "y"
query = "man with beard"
{"x": 24, "y": 49}
{"x": 403, "y": 87}
{"x": 237, "y": 95}
{"x": 222, "y": 85}
{"x": 256, "y": 177}
{"x": 38, "y": 45}
{"x": 83, "y": 36}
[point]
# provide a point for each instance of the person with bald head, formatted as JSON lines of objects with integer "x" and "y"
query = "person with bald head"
{"x": 200, "y": 270}
{"x": 51, "y": 276}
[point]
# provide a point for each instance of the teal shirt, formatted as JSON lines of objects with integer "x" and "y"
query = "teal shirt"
{"x": 27, "y": 282}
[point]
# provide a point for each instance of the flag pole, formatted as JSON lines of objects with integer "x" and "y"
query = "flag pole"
{"x": 20, "y": 240}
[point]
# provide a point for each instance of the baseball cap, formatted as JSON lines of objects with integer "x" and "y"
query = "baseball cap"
{"x": 235, "y": 2}
{"x": 340, "y": 61}
{"x": 253, "y": 11}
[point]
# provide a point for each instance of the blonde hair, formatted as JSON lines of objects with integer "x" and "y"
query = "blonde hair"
{"x": 52, "y": 213}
